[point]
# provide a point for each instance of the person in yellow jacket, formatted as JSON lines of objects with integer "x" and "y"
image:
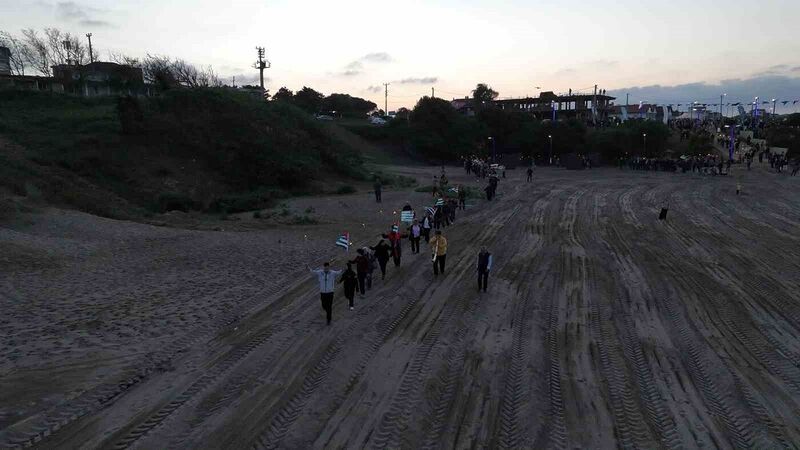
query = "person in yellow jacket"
{"x": 439, "y": 250}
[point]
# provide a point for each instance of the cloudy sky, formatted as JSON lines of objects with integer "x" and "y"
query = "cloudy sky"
{"x": 667, "y": 51}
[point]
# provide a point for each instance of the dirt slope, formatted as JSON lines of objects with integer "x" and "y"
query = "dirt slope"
{"x": 603, "y": 327}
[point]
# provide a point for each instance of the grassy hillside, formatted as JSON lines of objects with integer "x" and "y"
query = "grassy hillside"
{"x": 209, "y": 150}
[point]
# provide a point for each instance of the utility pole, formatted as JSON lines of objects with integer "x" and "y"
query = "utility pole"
{"x": 91, "y": 56}
{"x": 433, "y": 92}
{"x": 594, "y": 106}
{"x": 386, "y": 98}
{"x": 233, "y": 80}
{"x": 261, "y": 64}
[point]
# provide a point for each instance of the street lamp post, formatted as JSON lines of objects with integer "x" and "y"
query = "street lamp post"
{"x": 755, "y": 118}
{"x": 733, "y": 139}
{"x": 550, "y": 136}
{"x": 644, "y": 137}
{"x": 721, "y": 100}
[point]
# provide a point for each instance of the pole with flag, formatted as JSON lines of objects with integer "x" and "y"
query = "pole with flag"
{"x": 344, "y": 241}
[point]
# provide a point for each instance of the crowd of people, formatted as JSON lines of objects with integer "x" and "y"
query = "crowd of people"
{"x": 358, "y": 276}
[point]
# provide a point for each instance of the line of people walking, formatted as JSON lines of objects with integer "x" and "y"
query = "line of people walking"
{"x": 357, "y": 278}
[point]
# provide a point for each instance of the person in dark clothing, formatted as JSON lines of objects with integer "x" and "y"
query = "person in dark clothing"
{"x": 530, "y": 174}
{"x": 378, "y": 189}
{"x": 350, "y": 283}
{"x": 446, "y": 214}
{"x": 453, "y": 209}
{"x": 370, "y": 267}
{"x": 462, "y": 198}
{"x": 362, "y": 268}
{"x": 382, "y": 253}
{"x": 484, "y": 266}
{"x": 437, "y": 218}
{"x": 489, "y": 191}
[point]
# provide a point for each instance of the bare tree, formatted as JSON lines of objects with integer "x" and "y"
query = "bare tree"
{"x": 209, "y": 78}
{"x": 36, "y": 52}
{"x": 190, "y": 76}
{"x": 65, "y": 48}
{"x": 158, "y": 71}
{"x": 186, "y": 74}
{"x": 123, "y": 59}
{"x": 18, "y": 52}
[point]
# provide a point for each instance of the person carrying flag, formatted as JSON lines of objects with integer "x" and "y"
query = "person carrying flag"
{"x": 326, "y": 278}
{"x": 439, "y": 249}
{"x": 350, "y": 283}
{"x": 462, "y": 198}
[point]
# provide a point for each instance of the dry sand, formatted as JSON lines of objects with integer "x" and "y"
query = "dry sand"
{"x": 603, "y": 327}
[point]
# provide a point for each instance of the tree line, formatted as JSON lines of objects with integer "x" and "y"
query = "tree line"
{"x": 315, "y": 102}
{"x": 435, "y": 130}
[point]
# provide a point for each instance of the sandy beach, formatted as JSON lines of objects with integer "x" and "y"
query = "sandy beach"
{"x": 603, "y": 327}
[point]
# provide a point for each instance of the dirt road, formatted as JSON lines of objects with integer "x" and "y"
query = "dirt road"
{"x": 603, "y": 327}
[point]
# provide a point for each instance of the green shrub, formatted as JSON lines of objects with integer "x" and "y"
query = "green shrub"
{"x": 247, "y": 201}
{"x": 303, "y": 220}
{"x": 427, "y": 189}
{"x": 346, "y": 189}
{"x": 399, "y": 181}
{"x": 175, "y": 201}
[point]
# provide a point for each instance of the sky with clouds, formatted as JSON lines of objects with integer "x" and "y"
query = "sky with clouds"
{"x": 669, "y": 52}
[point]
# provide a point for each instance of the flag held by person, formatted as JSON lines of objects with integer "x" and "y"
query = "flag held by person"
{"x": 431, "y": 210}
{"x": 440, "y": 201}
{"x": 395, "y": 228}
{"x": 344, "y": 240}
{"x": 407, "y": 216}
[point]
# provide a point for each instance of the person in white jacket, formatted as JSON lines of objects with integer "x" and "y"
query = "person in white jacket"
{"x": 327, "y": 282}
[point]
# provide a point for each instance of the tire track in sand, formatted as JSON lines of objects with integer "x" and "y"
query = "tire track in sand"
{"x": 408, "y": 394}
